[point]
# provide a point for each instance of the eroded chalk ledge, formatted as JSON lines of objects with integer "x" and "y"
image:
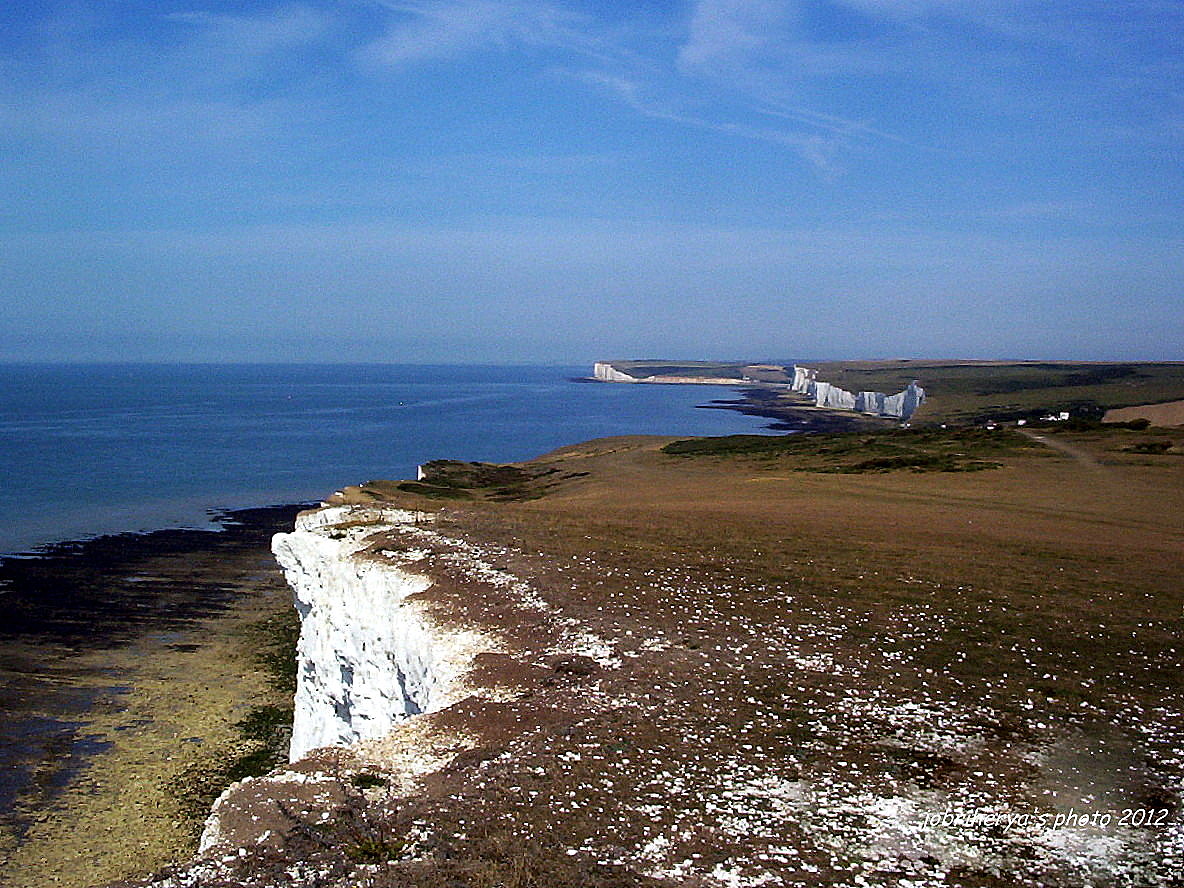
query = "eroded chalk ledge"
{"x": 378, "y": 657}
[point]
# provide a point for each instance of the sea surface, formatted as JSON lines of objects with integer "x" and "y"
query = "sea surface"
{"x": 109, "y": 448}
{"x": 128, "y": 497}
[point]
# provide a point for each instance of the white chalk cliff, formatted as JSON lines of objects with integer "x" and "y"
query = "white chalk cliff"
{"x": 369, "y": 653}
{"x": 606, "y": 372}
{"x": 603, "y": 371}
{"x": 902, "y": 405}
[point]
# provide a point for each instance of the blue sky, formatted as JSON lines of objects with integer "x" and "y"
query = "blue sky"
{"x": 487, "y": 180}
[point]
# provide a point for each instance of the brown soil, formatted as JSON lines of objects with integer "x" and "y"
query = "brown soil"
{"x": 778, "y": 675}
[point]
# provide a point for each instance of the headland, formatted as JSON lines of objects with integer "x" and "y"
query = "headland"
{"x": 798, "y": 380}
{"x": 913, "y": 654}
{"x": 835, "y": 396}
{"x": 853, "y": 658}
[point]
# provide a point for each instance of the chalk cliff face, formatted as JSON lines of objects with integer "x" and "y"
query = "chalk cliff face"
{"x": 803, "y": 377}
{"x": 369, "y": 653}
{"x": 827, "y": 395}
{"x": 901, "y": 405}
{"x": 608, "y": 373}
{"x": 870, "y": 402}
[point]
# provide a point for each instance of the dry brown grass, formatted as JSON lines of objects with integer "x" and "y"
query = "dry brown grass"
{"x": 1169, "y": 414}
{"x": 798, "y": 667}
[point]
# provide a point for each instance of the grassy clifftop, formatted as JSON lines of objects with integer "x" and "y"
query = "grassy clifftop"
{"x": 975, "y": 391}
{"x": 769, "y": 674}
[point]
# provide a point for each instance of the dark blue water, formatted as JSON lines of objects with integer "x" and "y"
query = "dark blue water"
{"x": 90, "y": 449}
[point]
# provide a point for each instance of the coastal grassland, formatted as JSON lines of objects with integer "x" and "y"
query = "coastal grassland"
{"x": 918, "y": 450}
{"x": 448, "y": 479}
{"x": 1167, "y": 414}
{"x": 689, "y": 369}
{"x": 790, "y": 669}
{"x": 180, "y": 712}
{"x": 960, "y": 392}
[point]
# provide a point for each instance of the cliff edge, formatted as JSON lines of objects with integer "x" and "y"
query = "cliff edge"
{"x": 617, "y": 666}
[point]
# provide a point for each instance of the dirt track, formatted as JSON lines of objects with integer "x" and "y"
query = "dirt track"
{"x": 1082, "y": 456}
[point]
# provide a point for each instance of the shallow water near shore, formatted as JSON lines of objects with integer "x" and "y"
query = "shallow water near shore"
{"x": 123, "y": 669}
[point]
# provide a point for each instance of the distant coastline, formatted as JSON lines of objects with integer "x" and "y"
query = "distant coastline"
{"x": 959, "y": 392}
{"x": 797, "y": 379}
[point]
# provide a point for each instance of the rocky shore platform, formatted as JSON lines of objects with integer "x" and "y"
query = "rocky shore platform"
{"x": 914, "y": 657}
{"x": 127, "y": 664}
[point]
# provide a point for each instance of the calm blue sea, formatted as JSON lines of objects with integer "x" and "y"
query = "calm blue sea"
{"x": 90, "y": 449}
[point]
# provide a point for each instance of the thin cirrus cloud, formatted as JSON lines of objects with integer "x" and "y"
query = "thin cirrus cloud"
{"x": 174, "y": 110}
{"x": 725, "y": 31}
{"x": 753, "y": 70}
{"x": 447, "y": 30}
{"x": 669, "y": 81}
{"x": 253, "y": 36}
{"x": 818, "y": 141}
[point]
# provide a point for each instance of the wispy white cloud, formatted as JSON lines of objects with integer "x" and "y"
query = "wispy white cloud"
{"x": 450, "y": 28}
{"x": 905, "y": 9}
{"x": 252, "y": 36}
{"x": 830, "y": 123}
{"x": 818, "y": 146}
{"x": 111, "y": 131}
{"x": 221, "y": 86}
{"x": 723, "y": 31}
{"x": 724, "y": 37}
{"x": 996, "y": 60}
{"x": 165, "y": 94}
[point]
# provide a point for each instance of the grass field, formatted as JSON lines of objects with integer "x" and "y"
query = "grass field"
{"x": 917, "y": 450}
{"x": 724, "y": 662}
{"x": 970, "y": 392}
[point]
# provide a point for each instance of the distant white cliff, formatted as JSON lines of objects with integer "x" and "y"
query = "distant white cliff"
{"x": 369, "y": 653}
{"x": 603, "y": 371}
{"x": 902, "y": 405}
{"x": 606, "y": 372}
